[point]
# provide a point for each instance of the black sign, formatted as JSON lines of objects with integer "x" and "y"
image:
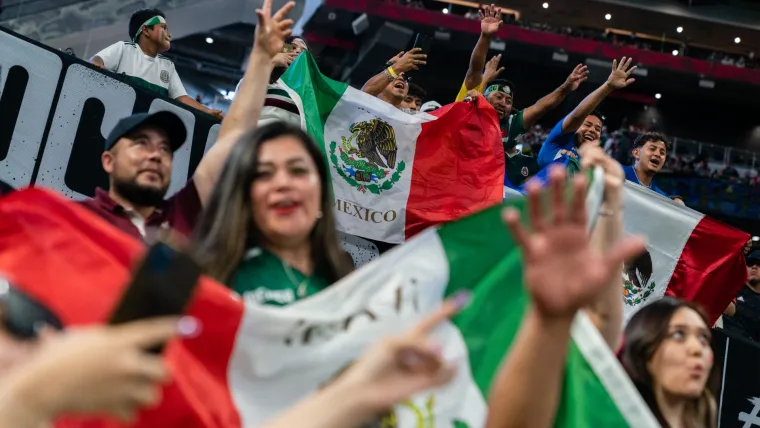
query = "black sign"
{"x": 56, "y": 110}
{"x": 737, "y": 390}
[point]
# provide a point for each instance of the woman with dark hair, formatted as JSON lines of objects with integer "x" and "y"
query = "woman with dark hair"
{"x": 268, "y": 231}
{"x": 667, "y": 354}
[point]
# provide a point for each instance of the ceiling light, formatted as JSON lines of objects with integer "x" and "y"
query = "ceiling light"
{"x": 608, "y": 17}
{"x": 209, "y": 40}
{"x": 545, "y": 5}
{"x": 675, "y": 52}
{"x": 737, "y": 40}
{"x": 756, "y": 238}
{"x": 679, "y": 29}
{"x": 445, "y": 10}
{"x": 658, "y": 95}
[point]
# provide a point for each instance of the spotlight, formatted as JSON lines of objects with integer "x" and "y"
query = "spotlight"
{"x": 679, "y": 29}
{"x": 675, "y": 52}
{"x": 608, "y": 17}
{"x": 545, "y": 5}
{"x": 209, "y": 40}
{"x": 445, "y": 10}
{"x": 658, "y": 95}
{"x": 737, "y": 40}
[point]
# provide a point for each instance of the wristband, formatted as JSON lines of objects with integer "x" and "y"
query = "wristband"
{"x": 393, "y": 72}
{"x": 388, "y": 75}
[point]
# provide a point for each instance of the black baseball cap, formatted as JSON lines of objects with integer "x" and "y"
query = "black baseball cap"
{"x": 166, "y": 121}
{"x": 753, "y": 257}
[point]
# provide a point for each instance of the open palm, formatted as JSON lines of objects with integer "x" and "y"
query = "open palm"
{"x": 578, "y": 76}
{"x": 272, "y": 30}
{"x": 490, "y": 20}
{"x": 562, "y": 270}
{"x": 621, "y": 73}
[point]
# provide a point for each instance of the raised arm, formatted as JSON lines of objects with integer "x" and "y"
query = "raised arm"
{"x": 401, "y": 63}
{"x": 244, "y": 112}
{"x": 490, "y": 22}
{"x": 532, "y": 114}
{"x": 619, "y": 79}
{"x": 606, "y": 311}
{"x": 562, "y": 272}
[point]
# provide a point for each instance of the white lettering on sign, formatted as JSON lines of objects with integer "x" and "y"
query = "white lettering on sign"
{"x": 80, "y": 85}
{"x": 181, "y": 158}
{"x": 44, "y": 69}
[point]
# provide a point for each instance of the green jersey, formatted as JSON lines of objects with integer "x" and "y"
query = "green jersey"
{"x": 263, "y": 278}
{"x": 520, "y": 167}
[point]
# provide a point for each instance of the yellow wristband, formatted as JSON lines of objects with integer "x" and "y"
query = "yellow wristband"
{"x": 393, "y": 73}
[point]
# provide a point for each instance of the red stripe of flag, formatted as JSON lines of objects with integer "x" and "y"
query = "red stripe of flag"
{"x": 458, "y": 166}
{"x": 712, "y": 268}
{"x": 77, "y": 265}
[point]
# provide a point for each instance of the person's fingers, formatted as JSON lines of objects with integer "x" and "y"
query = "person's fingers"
{"x": 631, "y": 70}
{"x": 621, "y": 64}
{"x": 629, "y": 81}
{"x": 578, "y": 208}
{"x": 448, "y": 309}
{"x": 535, "y": 209}
{"x": 146, "y": 333}
{"x": 415, "y": 51}
{"x": 418, "y": 356}
{"x": 283, "y": 10}
{"x": 144, "y": 394}
{"x": 287, "y": 23}
{"x": 287, "y": 33}
{"x": 511, "y": 217}
{"x": 150, "y": 367}
{"x": 614, "y": 64}
{"x": 557, "y": 187}
{"x": 266, "y": 7}
{"x": 262, "y": 19}
{"x": 481, "y": 16}
{"x": 628, "y": 248}
{"x": 499, "y": 71}
{"x": 628, "y": 63}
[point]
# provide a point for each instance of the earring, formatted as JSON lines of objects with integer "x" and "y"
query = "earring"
{"x": 319, "y": 214}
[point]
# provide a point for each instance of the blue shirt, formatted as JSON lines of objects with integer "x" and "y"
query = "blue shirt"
{"x": 556, "y": 145}
{"x": 630, "y": 175}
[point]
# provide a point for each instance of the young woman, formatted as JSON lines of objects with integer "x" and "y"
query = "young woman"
{"x": 667, "y": 354}
{"x": 268, "y": 231}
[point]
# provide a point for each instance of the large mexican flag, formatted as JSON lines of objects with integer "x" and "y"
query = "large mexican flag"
{"x": 252, "y": 362}
{"x": 395, "y": 174}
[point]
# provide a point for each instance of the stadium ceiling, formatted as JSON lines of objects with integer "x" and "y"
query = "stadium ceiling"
{"x": 709, "y": 24}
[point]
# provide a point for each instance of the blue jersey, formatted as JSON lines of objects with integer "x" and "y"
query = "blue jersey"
{"x": 557, "y": 145}
{"x": 630, "y": 175}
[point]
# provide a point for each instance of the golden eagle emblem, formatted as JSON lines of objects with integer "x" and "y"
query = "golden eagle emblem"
{"x": 367, "y": 158}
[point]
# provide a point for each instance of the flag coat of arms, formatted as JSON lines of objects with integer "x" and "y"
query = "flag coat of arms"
{"x": 395, "y": 174}
{"x": 251, "y": 362}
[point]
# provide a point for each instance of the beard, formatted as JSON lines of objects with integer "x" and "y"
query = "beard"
{"x": 138, "y": 195}
{"x": 753, "y": 281}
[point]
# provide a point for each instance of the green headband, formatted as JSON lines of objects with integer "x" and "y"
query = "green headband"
{"x": 152, "y": 21}
{"x": 498, "y": 88}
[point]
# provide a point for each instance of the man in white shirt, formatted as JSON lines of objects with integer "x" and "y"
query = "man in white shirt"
{"x": 140, "y": 60}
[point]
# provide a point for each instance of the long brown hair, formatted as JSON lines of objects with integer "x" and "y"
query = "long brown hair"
{"x": 644, "y": 334}
{"x": 226, "y": 228}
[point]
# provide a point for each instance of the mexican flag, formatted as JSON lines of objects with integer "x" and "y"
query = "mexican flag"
{"x": 689, "y": 255}
{"x": 395, "y": 174}
{"x": 251, "y": 362}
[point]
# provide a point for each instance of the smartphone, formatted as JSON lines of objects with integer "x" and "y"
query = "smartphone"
{"x": 163, "y": 284}
{"x": 423, "y": 42}
{"x": 21, "y": 315}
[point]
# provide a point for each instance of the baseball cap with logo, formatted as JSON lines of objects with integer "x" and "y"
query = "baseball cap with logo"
{"x": 430, "y": 106}
{"x": 166, "y": 121}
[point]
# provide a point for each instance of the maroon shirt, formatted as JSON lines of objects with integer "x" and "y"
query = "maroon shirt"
{"x": 180, "y": 212}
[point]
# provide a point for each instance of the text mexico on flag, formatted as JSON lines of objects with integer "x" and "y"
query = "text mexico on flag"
{"x": 251, "y": 362}
{"x": 395, "y": 174}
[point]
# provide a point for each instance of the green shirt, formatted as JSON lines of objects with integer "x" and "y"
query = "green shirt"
{"x": 263, "y": 278}
{"x": 519, "y": 167}
{"x": 511, "y": 128}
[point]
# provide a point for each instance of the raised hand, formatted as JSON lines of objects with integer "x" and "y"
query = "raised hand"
{"x": 284, "y": 59}
{"x": 563, "y": 272}
{"x": 398, "y": 367}
{"x": 492, "y": 70}
{"x": 490, "y": 20}
{"x": 621, "y": 74}
{"x": 578, "y": 76}
{"x": 593, "y": 155}
{"x": 410, "y": 60}
{"x": 97, "y": 370}
{"x": 272, "y": 30}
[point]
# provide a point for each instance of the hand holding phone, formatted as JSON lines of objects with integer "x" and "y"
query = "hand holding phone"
{"x": 163, "y": 285}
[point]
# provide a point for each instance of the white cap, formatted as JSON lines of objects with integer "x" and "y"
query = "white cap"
{"x": 430, "y": 106}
